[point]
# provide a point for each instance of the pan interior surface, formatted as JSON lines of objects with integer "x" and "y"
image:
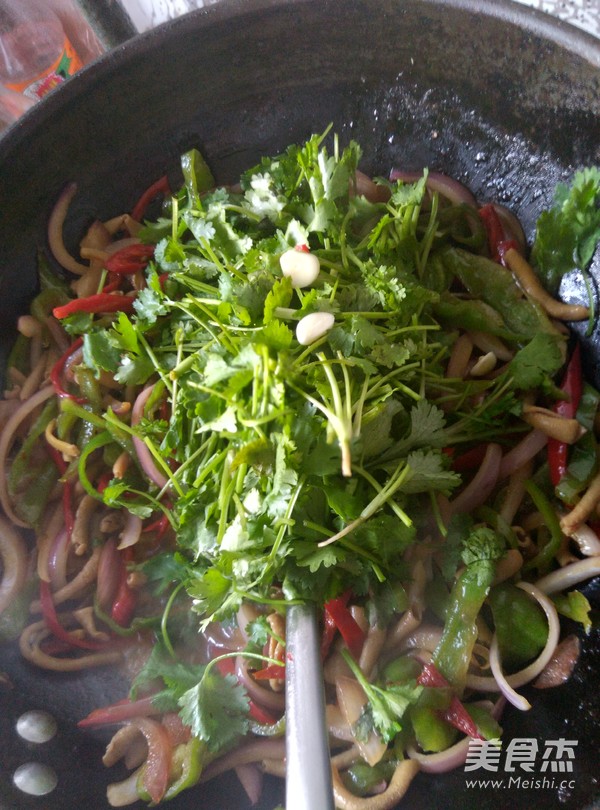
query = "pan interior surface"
{"x": 491, "y": 93}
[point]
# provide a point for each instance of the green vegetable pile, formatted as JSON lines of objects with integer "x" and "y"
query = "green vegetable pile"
{"x": 297, "y": 472}
{"x": 259, "y": 424}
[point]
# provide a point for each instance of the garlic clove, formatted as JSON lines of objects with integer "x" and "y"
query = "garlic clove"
{"x": 300, "y": 266}
{"x": 313, "y": 326}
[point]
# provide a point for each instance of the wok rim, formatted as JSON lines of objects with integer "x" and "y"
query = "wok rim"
{"x": 565, "y": 36}
{"x": 568, "y": 37}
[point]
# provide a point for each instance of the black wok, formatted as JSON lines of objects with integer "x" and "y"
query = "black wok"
{"x": 497, "y": 95}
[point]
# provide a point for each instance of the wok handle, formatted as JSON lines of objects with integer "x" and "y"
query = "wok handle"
{"x": 308, "y": 781}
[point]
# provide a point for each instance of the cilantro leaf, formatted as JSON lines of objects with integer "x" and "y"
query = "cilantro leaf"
{"x": 216, "y": 709}
{"x": 537, "y": 362}
{"x": 258, "y": 631}
{"x": 567, "y": 235}
{"x": 574, "y": 605}
{"x": 387, "y": 705}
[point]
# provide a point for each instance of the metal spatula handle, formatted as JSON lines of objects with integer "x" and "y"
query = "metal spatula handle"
{"x": 308, "y": 781}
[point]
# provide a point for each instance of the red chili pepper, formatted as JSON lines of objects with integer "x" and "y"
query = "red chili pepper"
{"x": 100, "y": 302}
{"x": 273, "y": 671}
{"x": 103, "y": 481}
{"x": 58, "y": 369}
{"x": 470, "y": 459}
{"x": 260, "y": 715}
{"x": 68, "y": 512}
{"x": 121, "y": 710}
{"x": 226, "y": 666}
{"x": 572, "y": 387}
{"x": 112, "y": 286}
{"x": 61, "y": 464}
{"x": 431, "y": 676}
{"x": 459, "y": 717}
{"x": 126, "y": 598}
{"x": 129, "y": 259}
{"x": 161, "y": 186}
{"x": 329, "y": 630}
{"x": 498, "y": 243}
{"x": 352, "y": 633}
{"x": 455, "y": 714}
{"x": 56, "y": 628}
{"x": 67, "y": 493}
{"x": 160, "y": 526}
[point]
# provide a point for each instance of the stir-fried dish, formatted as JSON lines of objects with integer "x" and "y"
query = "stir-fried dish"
{"x": 310, "y": 386}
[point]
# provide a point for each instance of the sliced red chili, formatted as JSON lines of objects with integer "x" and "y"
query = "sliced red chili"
{"x": 572, "y": 387}
{"x": 459, "y": 717}
{"x": 58, "y": 370}
{"x": 498, "y": 243}
{"x": 121, "y": 710}
{"x": 455, "y": 714}
{"x": 329, "y": 630}
{"x": 431, "y": 676}
{"x": 129, "y": 259}
{"x": 98, "y": 303}
{"x": 226, "y": 666}
{"x": 470, "y": 459}
{"x": 271, "y": 672}
{"x": 161, "y": 186}
{"x": 259, "y": 714}
{"x": 126, "y": 599}
{"x": 113, "y": 285}
{"x": 53, "y": 624}
{"x": 352, "y": 633}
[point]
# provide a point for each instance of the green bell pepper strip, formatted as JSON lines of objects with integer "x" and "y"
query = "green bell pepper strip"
{"x": 90, "y": 388}
{"x": 432, "y": 732}
{"x": 361, "y": 777}
{"x": 486, "y": 724}
{"x": 189, "y": 760}
{"x": 468, "y": 594}
{"x": 100, "y": 440}
{"x": 32, "y": 477}
{"x": 43, "y": 304}
{"x": 276, "y": 729}
{"x": 520, "y": 624}
{"x": 544, "y": 557}
{"x": 19, "y": 356}
{"x": 24, "y": 469}
{"x": 119, "y": 434}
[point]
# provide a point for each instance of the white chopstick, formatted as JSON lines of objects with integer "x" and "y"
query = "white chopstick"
{"x": 308, "y": 780}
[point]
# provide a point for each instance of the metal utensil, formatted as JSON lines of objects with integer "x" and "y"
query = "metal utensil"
{"x": 308, "y": 783}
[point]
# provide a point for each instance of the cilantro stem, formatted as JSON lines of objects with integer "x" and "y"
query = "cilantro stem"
{"x": 342, "y": 411}
{"x": 263, "y": 420}
{"x": 341, "y": 430}
{"x": 378, "y": 488}
{"x": 439, "y": 521}
{"x": 265, "y": 600}
{"x": 200, "y": 321}
{"x": 421, "y": 327}
{"x": 158, "y": 458}
{"x": 159, "y": 368}
{"x": 165, "y": 618}
{"x": 223, "y": 269}
{"x": 265, "y": 659}
{"x": 287, "y": 518}
{"x": 245, "y": 211}
{"x": 383, "y": 496}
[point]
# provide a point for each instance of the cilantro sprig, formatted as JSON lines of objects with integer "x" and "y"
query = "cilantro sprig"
{"x": 297, "y": 471}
